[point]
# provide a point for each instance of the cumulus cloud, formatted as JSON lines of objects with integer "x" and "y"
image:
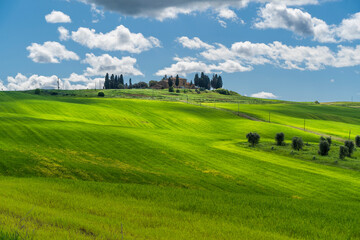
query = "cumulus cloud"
{"x": 194, "y": 43}
{"x": 187, "y": 65}
{"x": 264, "y": 95}
{"x": 161, "y": 10}
{"x": 64, "y": 34}
{"x": 57, "y": 17}
{"x": 244, "y": 56}
{"x": 21, "y": 82}
{"x": 284, "y": 56}
{"x": 120, "y": 39}
{"x": 50, "y": 52}
{"x": 184, "y": 66}
{"x": 303, "y": 24}
{"x": 227, "y": 13}
{"x": 100, "y": 65}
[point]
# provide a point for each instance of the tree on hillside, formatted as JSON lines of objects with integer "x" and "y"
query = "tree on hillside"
{"x": 121, "y": 79}
{"x": 112, "y": 81}
{"x": 324, "y": 147}
{"x": 253, "y": 138}
{"x": 177, "y": 81}
{"x": 170, "y": 81}
{"x": 107, "y": 82}
{"x": 357, "y": 141}
{"x": 297, "y": 143}
{"x": 279, "y": 138}
{"x": 130, "y": 84}
{"x": 214, "y": 81}
{"x": 219, "y": 82}
{"x": 344, "y": 151}
{"x": 350, "y": 145}
{"x": 116, "y": 82}
{"x": 196, "y": 80}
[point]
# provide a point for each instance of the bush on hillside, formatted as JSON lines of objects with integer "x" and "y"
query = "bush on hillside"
{"x": 101, "y": 94}
{"x": 357, "y": 141}
{"x": 351, "y": 146}
{"x": 253, "y": 138}
{"x": 344, "y": 151}
{"x": 279, "y": 138}
{"x": 328, "y": 139}
{"x": 177, "y": 91}
{"x": 37, "y": 91}
{"x": 317, "y": 102}
{"x": 297, "y": 143}
{"x": 171, "y": 89}
{"x": 222, "y": 91}
{"x": 324, "y": 147}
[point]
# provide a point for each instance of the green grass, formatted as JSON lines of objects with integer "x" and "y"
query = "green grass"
{"x": 76, "y": 167}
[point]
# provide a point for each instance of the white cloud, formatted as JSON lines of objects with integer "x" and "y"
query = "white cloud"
{"x": 187, "y": 65}
{"x": 100, "y": 65}
{"x": 64, "y": 34}
{"x": 349, "y": 29}
{"x": 50, "y": 52}
{"x": 57, "y": 17}
{"x": 264, "y": 95}
{"x": 2, "y": 86}
{"x": 227, "y": 13}
{"x": 161, "y": 10}
{"x": 332, "y": 80}
{"x": 283, "y": 56}
{"x": 194, "y": 43}
{"x": 243, "y": 56}
{"x": 303, "y": 24}
{"x": 184, "y": 66}
{"x": 120, "y": 39}
{"x": 20, "y": 82}
{"x": 222, "y": 23}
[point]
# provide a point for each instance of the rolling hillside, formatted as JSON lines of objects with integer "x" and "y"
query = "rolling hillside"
{"x": 82, "y": 167}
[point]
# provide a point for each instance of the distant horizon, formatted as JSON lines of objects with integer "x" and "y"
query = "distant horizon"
{"x": 292, "y": 50}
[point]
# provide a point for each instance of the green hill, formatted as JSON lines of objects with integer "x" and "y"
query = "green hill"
{"x": 75, "y": 166}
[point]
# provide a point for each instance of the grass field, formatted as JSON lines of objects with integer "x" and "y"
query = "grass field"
{"x": 82, "y": 167}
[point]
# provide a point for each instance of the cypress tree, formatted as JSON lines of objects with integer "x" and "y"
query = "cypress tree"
{"x": 170, "y": 81}
{"x": 219, "y": 82}
{"x": 107, "y": 81}
{"x": 121, "y": 79}
{"x": 214, "y": 81}
{"x": 196, "y": 80}
{"x": 116, "y": 82}
{"x": 112, "y": 81}
{"x": 177, "y": 81}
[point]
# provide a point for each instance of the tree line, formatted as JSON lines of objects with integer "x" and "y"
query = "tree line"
{"x": 204, "y": 81}
{"x": 297, "y": 144}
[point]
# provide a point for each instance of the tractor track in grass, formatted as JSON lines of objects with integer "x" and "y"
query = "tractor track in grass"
{"x": 246, "y": 116}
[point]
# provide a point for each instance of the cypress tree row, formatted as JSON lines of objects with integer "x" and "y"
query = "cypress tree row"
{"x": 116, "y": 82}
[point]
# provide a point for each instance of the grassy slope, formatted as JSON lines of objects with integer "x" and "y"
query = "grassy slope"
{"x": 163, "y": 170}
{"x": 326, "y": 119}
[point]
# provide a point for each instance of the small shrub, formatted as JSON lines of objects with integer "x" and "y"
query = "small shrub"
{"x": 297, "y": 143}
{"x": 101, "y": 94}
{"x": 54, "y": 93}
{"x": 197, "y": 91}
{"x": 324, "y": 148}
{"x": 177, "y": 91}
{"x": 351, "y": 146}
{"x": 222, "y": 91}
{"x": 279, "y": 138}
{"x": 171, "y": 89}
{"x": 317, "y": 102}
{"x": 357, "y": 141}
{"x": 253, "y": 138}
{"x": 344, "y": 151}
{"x": 327, "y": 139}
{"x": 37, "y": 91}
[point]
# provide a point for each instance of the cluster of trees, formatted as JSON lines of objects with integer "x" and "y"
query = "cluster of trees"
{"x": 204, "y": 81}
{"x": 298, "y": 144}
{"x": 116, "y": 82}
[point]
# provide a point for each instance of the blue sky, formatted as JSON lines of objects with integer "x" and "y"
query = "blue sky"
{"x": 302, "y": 50}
